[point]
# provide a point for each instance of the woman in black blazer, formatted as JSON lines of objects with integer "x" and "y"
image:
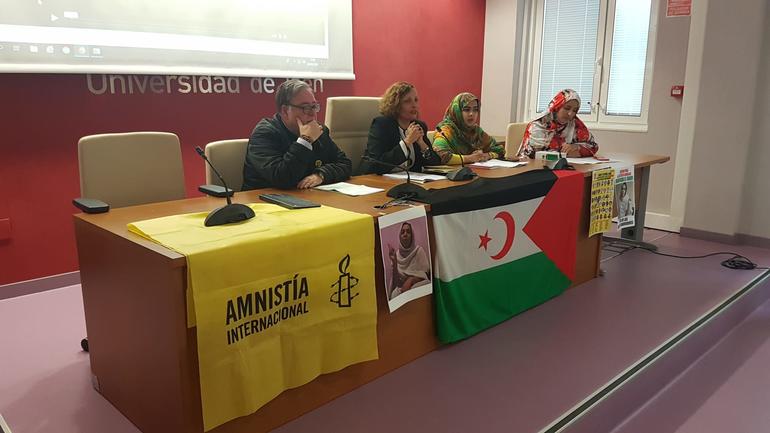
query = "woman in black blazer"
{"x": 398, "y": 136}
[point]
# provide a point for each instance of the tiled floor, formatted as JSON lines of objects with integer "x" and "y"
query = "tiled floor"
{"x": 518, "y": 376}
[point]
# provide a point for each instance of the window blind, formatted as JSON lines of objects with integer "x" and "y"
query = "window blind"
{"x": 568, "y": 53}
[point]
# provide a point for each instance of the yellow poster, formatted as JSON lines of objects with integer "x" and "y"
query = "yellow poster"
{"x": 602, "y": 191}
{"x": 278, "y": 300}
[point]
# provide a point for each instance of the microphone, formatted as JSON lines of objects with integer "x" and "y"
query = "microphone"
{"x": 229, "y": 213}
{"x": 462, "y": 173}
{"x": 406, "y": 190}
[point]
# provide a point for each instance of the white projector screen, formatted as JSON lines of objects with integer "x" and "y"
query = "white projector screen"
{"x": 257, "y": 38}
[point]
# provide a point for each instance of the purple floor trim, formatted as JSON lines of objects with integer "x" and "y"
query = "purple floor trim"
{"x": 754, "y": 241}
{"x": 38, "y": 285}
{"x": 738, "y": 238}
{"x": 708, "y": 236}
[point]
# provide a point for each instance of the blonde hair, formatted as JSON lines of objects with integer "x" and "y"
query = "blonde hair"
{"x": 391, "y": 100}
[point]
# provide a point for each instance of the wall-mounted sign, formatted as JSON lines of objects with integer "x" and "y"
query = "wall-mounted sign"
{"x": 679, "y": 8}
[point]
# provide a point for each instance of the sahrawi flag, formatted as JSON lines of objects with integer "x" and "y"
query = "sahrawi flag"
{"x": 502, "y": 246}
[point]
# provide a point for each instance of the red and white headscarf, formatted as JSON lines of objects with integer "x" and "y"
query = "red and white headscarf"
{"x": 546, "y": 133}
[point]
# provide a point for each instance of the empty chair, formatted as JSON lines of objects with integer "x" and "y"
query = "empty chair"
{"x": 349, "y": 119}
{"x": 131, "y": 168}
{"x": 513, "y": 139}
{"x": 228, "y": 157}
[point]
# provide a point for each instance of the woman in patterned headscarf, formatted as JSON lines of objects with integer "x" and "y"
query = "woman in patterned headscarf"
{"x": 459, "y": 138}
{"x": 559, "y": 129}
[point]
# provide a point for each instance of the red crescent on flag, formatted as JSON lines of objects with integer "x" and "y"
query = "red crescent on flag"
{"x": 510, "y": 231}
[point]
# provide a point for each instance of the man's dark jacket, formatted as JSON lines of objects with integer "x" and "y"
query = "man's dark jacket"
{"x": 275, "y": 159}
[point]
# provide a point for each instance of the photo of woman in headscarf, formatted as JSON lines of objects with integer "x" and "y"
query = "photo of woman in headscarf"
{"x": 625, "y": 206}
{"x": 409, "y": 263}
{"x": 559, "y": 129}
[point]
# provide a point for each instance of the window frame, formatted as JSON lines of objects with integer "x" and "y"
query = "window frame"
{"x": 597, "y": 118}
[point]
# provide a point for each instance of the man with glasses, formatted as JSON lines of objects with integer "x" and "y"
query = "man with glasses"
{"x": 291, "y": 149}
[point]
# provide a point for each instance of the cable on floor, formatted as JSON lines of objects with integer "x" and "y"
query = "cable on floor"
{"x": 737, "y": 261}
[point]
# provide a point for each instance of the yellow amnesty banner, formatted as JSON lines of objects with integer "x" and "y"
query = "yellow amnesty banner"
{"x": 602, "y": 190}
{"x": 278, "y": 300}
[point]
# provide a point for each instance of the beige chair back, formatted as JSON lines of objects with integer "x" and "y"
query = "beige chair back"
{"x": 228, "y": 157}
{"x": 431, "y": 136}
{"x": 349, "y": 119}
{"x": 513, "y": 138}
{"x": 131, "y": 168}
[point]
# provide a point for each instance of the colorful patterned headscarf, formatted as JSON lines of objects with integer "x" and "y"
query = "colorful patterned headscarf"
{"x": 546, "y": 133}
{"x": 455, "y": 137}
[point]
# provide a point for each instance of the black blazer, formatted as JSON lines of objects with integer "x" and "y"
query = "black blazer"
{"x": 275, "y": 159}
{"x": 382, "y": 144}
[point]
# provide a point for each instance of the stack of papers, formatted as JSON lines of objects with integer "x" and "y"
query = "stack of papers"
{"x": 439, "y": 169}
{"x": 416, "y": 177}
{"x": 349, "y": 188}
{"x": 589, "y": 161}
{"x": 498, "y": 163}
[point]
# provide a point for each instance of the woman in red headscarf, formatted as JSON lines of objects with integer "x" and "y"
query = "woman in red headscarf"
{"x": 559, "y": 129}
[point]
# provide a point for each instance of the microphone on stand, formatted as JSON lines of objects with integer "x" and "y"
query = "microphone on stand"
{"x": 462, "y": 173}
{"x": 229, "y": 213}
{"x": 406, "y": 190}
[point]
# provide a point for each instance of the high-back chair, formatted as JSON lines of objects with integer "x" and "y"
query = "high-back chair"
{"x": 131, "y": 168}
{"x": 228, "y": 157}
{"x": 349, "y": 119}
{"x": 513, "y": 138}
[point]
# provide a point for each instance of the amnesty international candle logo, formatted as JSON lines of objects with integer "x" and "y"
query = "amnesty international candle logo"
{"x": 343, "y": 294}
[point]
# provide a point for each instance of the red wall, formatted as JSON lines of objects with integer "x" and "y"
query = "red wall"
{"x": 436, "y": 45}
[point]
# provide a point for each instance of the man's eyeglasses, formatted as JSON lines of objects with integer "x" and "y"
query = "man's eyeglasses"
{"x": 308, "y": 109}
{"x": 471, "y": 109}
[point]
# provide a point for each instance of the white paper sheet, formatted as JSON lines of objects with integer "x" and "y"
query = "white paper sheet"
{"x": 495, "y": 163}
{"x": 416, "y": 177}
{"x": 349, "y": 188}
{"x": 589, "y": 161}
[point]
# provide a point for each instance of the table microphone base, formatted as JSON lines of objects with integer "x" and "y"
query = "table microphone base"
{"x": 407, "y": 190}
{"x": 557, "y": 164}
{"x": 462, "y": 173}
{"x": 561, "y": 164}
{"x": 231, "y": 213}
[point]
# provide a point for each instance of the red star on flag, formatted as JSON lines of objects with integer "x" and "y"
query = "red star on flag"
{"x": 484, "y": 240}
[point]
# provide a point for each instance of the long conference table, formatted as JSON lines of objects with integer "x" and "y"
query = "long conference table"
{"x": 144, "y": 357}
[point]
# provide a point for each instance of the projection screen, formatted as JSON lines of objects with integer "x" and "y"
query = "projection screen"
{"x": 258, "y": 38}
